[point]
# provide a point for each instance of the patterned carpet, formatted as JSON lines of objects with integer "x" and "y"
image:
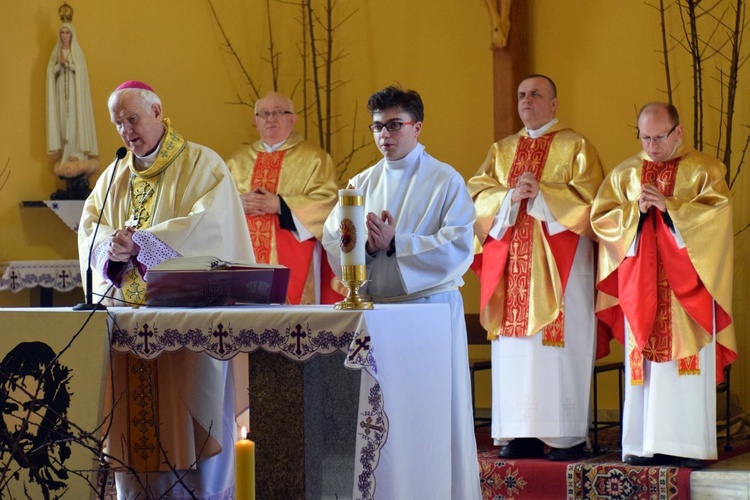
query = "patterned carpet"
{"x": 601, "y": 477}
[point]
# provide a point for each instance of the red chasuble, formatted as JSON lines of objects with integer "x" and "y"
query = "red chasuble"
{"x": 268, "y": 236}
{"x": 648, "y": 282}
{"x": 507, "y": 262}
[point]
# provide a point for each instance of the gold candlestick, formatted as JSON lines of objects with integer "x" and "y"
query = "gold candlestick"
{"x": 353, "y": 277}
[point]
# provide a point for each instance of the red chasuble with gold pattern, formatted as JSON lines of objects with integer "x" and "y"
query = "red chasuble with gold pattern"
{"x": 268, "y": 240}
{"x": 507, "y": 264}
{"x": 648, "y": 282}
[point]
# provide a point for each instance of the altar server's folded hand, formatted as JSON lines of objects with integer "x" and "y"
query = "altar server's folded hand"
{"x": 380, "y": 231}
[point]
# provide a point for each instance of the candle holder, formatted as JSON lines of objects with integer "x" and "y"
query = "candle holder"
{"x": 353, "y": 277}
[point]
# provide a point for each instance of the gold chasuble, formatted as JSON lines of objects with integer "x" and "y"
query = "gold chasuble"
{"x": 523, "y": 275}
{"x": 303, "y": 175}
{"x": 673, "y": 298}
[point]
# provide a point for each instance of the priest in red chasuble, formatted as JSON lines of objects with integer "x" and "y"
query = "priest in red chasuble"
{"x": 535, "y": 260}
{"x": 664, "y": 221}
{"x": 287, "y": 189}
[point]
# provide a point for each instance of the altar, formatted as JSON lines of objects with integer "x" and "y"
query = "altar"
{"x": 402, "y": 352}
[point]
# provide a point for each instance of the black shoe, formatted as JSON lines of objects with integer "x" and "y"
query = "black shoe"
{"x": 566, "y": 454}
{"x": 692, "y": 463}
{"x": 657, "y": 460}
{"x": 522, "y": 448}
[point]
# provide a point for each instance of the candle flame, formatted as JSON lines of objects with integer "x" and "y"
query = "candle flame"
{"x": 244, "y": 432}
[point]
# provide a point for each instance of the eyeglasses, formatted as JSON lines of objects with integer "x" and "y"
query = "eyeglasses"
{"x": 275, "y": 114}
{"x": 656, "y": 139}
{"x": 378, "y": 127}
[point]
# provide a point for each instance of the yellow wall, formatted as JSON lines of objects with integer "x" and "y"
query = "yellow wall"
{"x": 600, "y": 53}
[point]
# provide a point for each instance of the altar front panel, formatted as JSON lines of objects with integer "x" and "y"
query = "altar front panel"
{"x": 63, "y": 426}
{"x": 403, "y": 429}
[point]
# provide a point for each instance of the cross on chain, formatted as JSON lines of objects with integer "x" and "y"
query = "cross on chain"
{"x": 362, "y": 343}
{"x": 221, "y": 335}
{"x": 299, "y": 335}
{"x": 138, "y": 215}
{"x": 368, "y": 426}
{"x": 145, "y": 334}
{"x": 63, "y": 275}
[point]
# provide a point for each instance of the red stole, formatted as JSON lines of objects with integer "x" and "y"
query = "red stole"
{"x": 507, "y": 262}
{"x": 647, "y": 282}
{"x": 266, "y": 233}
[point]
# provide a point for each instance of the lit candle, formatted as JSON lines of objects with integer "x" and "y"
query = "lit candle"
{"x": 244, "y": 468}
{"x": 352, "y": 227}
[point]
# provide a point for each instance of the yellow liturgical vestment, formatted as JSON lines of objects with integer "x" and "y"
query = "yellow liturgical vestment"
{"x": 187, "y": 203}
{"x": 700, "y": 208}
{"x": 302, "y": 174}
{"x": 567, "y": 168}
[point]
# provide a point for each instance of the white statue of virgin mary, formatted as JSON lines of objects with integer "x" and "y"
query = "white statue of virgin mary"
{"x": 71, "y": 134}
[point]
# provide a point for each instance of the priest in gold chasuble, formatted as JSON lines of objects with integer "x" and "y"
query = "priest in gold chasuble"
{"x": 664, "y": 221}
{"x": 287, "y": 189}
{"x": 169, "y": 198}
{"x": 535, "y": 260}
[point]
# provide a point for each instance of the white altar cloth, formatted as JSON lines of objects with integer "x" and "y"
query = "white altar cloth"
{"x": 62, "y": 275}
{"x": 404, "y": 423}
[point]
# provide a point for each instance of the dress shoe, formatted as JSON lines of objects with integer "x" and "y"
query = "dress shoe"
{"x": 522, "y": 448}
{"x": 657, "y": 460}
{"x": 692, "y": 463}
{"x": 566, "y": 454}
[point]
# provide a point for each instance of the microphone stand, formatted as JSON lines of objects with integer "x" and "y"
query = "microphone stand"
{"x": 89, "y": 305}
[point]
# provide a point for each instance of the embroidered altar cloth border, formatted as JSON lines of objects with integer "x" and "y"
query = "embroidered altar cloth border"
{"x": 404, "y": 418}
{"x": 69, "y": 211}
{"x": 62, "y": 275}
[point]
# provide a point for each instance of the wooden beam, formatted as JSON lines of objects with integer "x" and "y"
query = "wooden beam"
{"x": 510, "y": 65}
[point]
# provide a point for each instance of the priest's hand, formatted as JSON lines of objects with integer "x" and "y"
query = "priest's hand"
{"x": 526, "y": 187}
{"x": 380, "y": 231}
{"x": 122, "y": 247}
{"x": 260, "y": 202}
{"x": 651, "y": 197}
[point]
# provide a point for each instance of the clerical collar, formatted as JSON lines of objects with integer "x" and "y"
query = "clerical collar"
{"x": 271, "y": 149}
{"x": 541, "y": 130}
{"x": 144, "y": 162}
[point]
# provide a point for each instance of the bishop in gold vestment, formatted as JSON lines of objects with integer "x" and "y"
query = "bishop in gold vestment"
{"x": 169, "y": 198}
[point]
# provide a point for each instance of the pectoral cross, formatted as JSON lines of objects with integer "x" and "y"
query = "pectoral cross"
{"x": 138, "y": 215}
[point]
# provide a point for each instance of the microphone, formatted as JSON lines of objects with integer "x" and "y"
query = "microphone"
{"x": 89, "y": 304}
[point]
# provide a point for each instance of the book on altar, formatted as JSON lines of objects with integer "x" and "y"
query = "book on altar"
{"x": 208, "y": 281}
